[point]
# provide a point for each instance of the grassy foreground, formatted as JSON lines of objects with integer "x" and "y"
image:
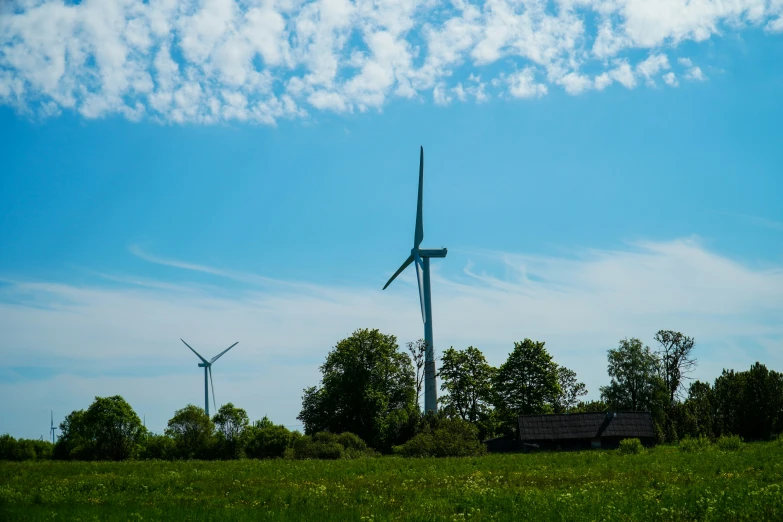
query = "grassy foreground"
{"x": 660, "y": 484}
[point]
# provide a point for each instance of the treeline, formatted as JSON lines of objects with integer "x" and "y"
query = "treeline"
{"x": 109, "y": 429}
{"x": 367, "y": 403}
{"x": 372, "y": 388}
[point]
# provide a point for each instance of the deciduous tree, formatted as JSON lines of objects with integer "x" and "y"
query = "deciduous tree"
{"x": 192, "y": 431}
{"x": 467, "y": 377}
{"x": 675, "y": 360}
{"x": 527, "y": 382}
{"x": 570, "y": 390}
{"x": 114, "y": 428}
{"x": 367, "y": 388}
{"x": 231, "y": 423}
{"x": 633, "y": 369}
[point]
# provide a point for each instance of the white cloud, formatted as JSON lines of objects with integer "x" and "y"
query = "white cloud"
{"x": 575, "y": 83}
{"x": 775, "y": 26}
{"x": 581, "y": 306}
{"x": 671, "y": 79}
{"x": 440, "y": 96}
{"x": 695, "y": 73}
{"x": 133, "y": 57}
{"x": 621, "y": 73}
{"x": 523, "y": 84}
{"x": 653, "y": 65}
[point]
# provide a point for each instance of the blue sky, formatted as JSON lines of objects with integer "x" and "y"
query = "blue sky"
{"x": 597, "y": 169}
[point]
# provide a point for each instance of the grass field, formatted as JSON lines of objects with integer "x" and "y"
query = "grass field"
{"x": 661, "y": 484}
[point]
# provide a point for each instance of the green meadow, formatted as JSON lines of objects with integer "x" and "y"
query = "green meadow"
{"x": 663, "y": 483}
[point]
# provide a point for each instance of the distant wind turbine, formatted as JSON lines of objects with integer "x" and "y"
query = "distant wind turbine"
{"x": 421, "y": 257}
{"x": 51, "y": 425}
{"x": 207, "y": 365}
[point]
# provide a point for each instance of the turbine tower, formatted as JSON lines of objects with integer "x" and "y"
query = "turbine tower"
{"x": 421, "y": 257}
{"x": 207, "y": 365}
{"x": 51, "y": 425}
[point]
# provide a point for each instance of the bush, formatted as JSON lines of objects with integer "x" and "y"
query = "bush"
{"x": 444, "y": 438}
{"x": 267, "y": 441}
{"x": 630, "y": 447}
{"x": 729, "y": 442}
{"x": 160, "y": 447}
{"x": 694, "y": 444}
{"x": 325, "y": 445}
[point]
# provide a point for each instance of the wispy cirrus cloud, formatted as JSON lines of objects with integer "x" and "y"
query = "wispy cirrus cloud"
{"x": 95, "y": 338}
{"x": 262, "y": 60}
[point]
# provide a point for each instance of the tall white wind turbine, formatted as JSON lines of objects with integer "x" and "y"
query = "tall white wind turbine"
{"x": 421, "y": 257}
{"x": 207, "y": 365}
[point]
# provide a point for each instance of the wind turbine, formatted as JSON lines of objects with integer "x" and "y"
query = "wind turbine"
{"x": 421, "y": 257}
{"x": 207, "y": 365}
{"x": 51, "y": 425}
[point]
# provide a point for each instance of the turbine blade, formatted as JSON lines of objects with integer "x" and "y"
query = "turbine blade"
{"x": 194, "y": 351}
{"x": 419, "y": 279}
{"x": 213, "y": 388}
{"x": 418, "y": 234}
{"x": 399, "y": 270}
{"x": 215, "y": 358}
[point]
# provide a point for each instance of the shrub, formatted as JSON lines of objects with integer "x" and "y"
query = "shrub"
{"x": 630, "y": 447}
{"x": 694, "y": 444}
{"x": 320, "y": 446}
{"x": 267, "y": 441}
{"x": 325, "y": 445}
{"x": 729, "y": 442}
{"x": 160, "y": 447}
{"x": 444, "y": 438}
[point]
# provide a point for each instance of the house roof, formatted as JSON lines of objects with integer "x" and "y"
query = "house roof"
{"x": 586, "y": 425}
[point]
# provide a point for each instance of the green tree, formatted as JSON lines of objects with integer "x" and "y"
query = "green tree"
{"x": 675, "y": 360}
{"x": 467, "y": 377}
{"x": 159, "y": 447}
{"x": 192, "y": 431}
{"x": 367, "y": 388}
{"x": 699, "y": 411}
{"x": 114, "y": 427}
{"x": 526, "y": 383}
{"x": 749, "y": 403}
{"x": 633, "y": 369}
{"x": 74, "y": 442}
{"x": 570, "y": 390}
{"x": 108, "y": 430}
{"x": 231, "y": 423}
{"x": 266, "y": 440}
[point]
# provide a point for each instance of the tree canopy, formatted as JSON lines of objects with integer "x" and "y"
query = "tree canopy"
{"x": 367, "y": 388}
{"x": 633, "y": 370}
{"x": 675, "y": 360}
{"x": 108, "y": 430}
{"x": 527, "y": 382}
{"x": 467, "y": 377}
{"x": 192, "y": 431}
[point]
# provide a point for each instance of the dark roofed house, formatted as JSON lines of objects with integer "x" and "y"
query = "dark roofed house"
{"x": 579, "y": 431}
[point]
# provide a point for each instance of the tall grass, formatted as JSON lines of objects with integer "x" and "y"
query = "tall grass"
{"x": 662, "y": 483}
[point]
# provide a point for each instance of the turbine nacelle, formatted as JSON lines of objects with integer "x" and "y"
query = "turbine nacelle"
{"x": 432, "y": 252}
